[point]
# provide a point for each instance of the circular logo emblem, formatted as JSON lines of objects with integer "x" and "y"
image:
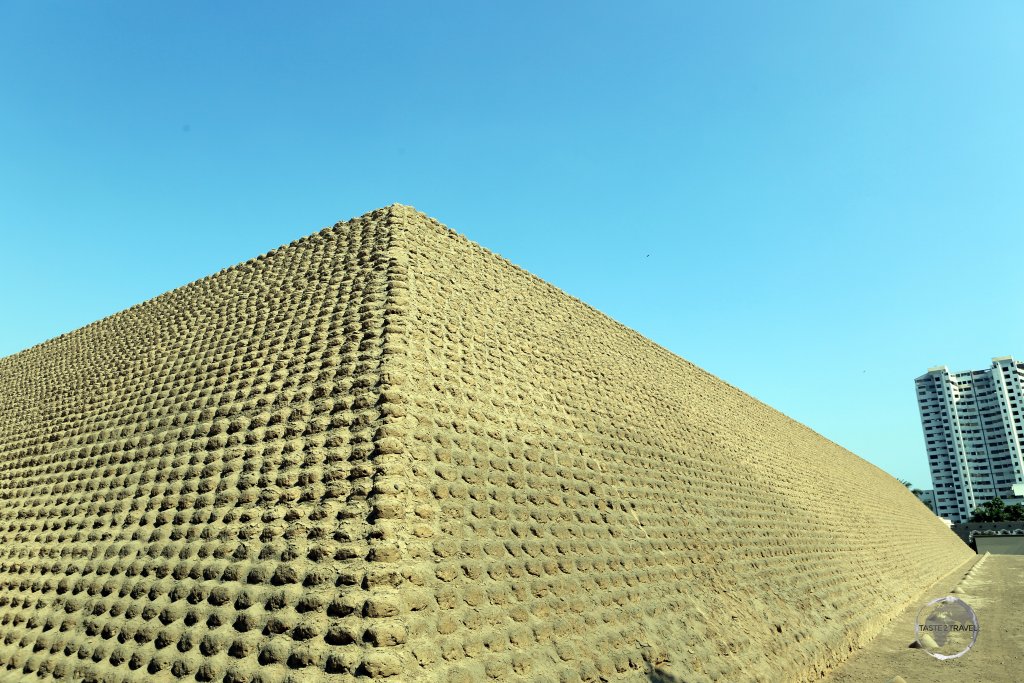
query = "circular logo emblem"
{"x": 946, "y": 628}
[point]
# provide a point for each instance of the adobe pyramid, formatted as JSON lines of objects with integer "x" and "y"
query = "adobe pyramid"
{"x": 384, "y": 452}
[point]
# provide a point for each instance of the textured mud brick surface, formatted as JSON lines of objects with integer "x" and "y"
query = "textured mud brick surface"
{"x": 384, "y": 452}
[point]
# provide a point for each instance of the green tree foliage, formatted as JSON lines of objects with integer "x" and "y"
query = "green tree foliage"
{"x": 996, "y": 510}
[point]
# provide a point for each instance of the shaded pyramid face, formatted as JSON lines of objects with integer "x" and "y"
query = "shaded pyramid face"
{"x": 384, "y": 452}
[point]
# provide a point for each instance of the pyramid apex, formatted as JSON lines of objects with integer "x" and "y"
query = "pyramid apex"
{"x": 400, "y": 208}
{"x": 393, "y": 210}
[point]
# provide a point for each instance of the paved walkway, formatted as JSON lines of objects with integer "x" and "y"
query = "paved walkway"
{"x": 996, "y": 592}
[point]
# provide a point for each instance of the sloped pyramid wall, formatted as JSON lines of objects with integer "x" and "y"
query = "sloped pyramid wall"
{"x": 384, "y": 452}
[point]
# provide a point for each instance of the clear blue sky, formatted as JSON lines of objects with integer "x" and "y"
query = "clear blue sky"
{"x": 814, "y": 201}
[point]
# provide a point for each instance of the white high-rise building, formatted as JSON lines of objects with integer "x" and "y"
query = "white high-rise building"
{"x": 974, "y": 435}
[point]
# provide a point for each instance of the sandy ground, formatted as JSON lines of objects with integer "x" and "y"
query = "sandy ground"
{"x": 996, "y": 592}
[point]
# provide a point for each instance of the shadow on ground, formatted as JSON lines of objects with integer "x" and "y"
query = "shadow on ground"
{"x": 657, "y": 675}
